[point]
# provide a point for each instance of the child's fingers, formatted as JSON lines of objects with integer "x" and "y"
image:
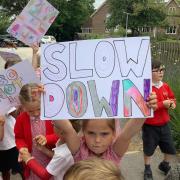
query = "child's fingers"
{"x": 41, "y": 143}
{"x": 35, "y": 47}
{"x": 41, "y": 88}
{"x": 36, "y": 91}
{"x": 41, "y": 140}
{"x": 23, "y": 149}
{"x": 152, "y": 104}
{"x": 152, "y": 101}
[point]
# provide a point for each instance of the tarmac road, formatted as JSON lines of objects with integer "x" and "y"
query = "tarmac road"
{"x": 132, "y": 166}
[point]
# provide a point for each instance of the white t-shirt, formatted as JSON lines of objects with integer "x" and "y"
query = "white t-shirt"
{"x": 8, "y": 141}
{"x": 61, "y": 162}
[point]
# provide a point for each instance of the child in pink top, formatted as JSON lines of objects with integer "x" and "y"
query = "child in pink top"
{"x": 84, "y": 153}
{"x": 99, "y": 137}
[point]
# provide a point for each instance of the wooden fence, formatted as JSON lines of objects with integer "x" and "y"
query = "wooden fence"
{"x": 166, "y": 52}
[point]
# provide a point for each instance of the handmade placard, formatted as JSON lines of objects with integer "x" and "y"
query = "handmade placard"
{"x": 33, "y": 22}
{"x": 101, "y": 78}
{"x": 11, "y": 81}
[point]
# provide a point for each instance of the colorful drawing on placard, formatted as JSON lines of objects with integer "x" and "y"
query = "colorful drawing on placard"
{"x": 100, "y": 78}
{"x": 11, "y": 81}
{"x": 33, "y": 22}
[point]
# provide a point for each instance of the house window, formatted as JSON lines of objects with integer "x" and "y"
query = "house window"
{"x": 105, "y": 21}
{"x": 171, "y": 30}
{"x": 145, "y": 29}
{"x": 86, "y": 30}
{"x": 172, "y": 10}
{"x": 107, "y": 16}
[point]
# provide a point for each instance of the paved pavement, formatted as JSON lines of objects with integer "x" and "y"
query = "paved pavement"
{"x": 132, "y": 166}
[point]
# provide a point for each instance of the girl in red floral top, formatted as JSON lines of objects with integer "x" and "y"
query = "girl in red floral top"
{"x": 30, "y": 131}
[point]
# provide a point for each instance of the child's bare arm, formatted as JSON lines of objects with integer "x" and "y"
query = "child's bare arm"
{"x": 35, "y": 56}
{"x": 69, "y": 134}
{"x": 41, "y": 140}
{"x": 45, "y": 150}
{"x": 131, "y": 128}
{"x": 2, "y": 121}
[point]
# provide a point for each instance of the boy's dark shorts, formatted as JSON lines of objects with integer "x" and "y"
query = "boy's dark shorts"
{"x": 154, "y": 136}
{"x": 9, "y": 160}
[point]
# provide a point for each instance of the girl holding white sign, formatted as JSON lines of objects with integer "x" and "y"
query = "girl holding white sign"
{"x": 99, "y": 137}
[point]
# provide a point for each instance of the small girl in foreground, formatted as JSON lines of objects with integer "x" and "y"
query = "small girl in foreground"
{"x": 93, "y": 169}
{"x": 99, "y": 137}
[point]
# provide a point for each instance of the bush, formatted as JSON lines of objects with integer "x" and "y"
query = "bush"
{"x": 119, "y": 32}
{"x": 172, "y": 74}
{"x": 175, "y": 126}
{"x": 84, "y": 36}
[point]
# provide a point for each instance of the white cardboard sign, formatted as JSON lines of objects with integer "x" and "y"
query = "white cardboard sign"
{"x": 11, "y": 81}
{"x": 33, "y": 22}
{"x": 96, "y": 78}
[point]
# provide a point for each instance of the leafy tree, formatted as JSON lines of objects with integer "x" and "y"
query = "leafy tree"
{"x": 141, "y": 13}
{"x": 73, "y": 13}
{"x": 4, "y": 22}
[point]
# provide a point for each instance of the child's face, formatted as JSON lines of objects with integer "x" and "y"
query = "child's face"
{"x": 98, "y": 135}
{"x": 157, "y": 74}
{"x": 32, "y": 108}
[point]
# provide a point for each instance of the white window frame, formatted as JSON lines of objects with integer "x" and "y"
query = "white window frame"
{"x": 171, "y": 30}
{"x": 172, "y": 10}
{"x": 86, "y": 30}
{"x": 145, "y": 29}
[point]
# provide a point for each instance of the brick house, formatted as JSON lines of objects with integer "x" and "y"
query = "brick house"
{"x": 97, "y": 21}
{"x": 173, "y": 16}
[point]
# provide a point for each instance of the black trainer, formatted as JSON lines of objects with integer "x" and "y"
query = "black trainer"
{"x": 148, "y": 174}
{"x": 165, "y": 167}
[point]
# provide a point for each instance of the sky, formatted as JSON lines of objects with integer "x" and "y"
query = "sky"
{"x": 98, "y": 3}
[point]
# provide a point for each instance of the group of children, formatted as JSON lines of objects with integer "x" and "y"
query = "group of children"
{"x": 70, "y": 150}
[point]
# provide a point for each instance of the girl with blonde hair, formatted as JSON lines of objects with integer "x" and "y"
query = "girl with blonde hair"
{"x": 93, "y": 169}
